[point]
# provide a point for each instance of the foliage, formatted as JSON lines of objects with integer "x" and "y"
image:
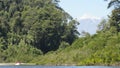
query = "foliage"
{"x": 41, "y": 32}
{"x": 34, "y": 26}
{"x": 115, "y": 3}
{"x": 39, "y": 23}
{"x": 21, "y": 53}
{"x": 102, "y": 48}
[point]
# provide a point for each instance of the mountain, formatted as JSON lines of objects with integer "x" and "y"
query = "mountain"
{"x": 88, "y": 24}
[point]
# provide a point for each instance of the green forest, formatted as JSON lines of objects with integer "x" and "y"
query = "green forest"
{"x": 41, "y": 32}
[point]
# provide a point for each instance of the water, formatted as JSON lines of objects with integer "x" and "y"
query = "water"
{"x": 59, "y": 66}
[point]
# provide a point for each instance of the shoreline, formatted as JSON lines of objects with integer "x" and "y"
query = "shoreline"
{"x": 11, "y": 64}
{"x": 15, "y": 64}
{"x": 4, "y": 64}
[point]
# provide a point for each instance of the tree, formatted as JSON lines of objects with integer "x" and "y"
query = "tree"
{"x": 102, "y": 24}
{"x": 42, "y": 24}
{"x": 114, "y": 18}
{"x": 115, "y": 3}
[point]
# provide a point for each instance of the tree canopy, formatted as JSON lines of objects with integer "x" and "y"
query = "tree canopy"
{"x": 42, "y": 24}
{"x": 115, "y": 3}
{"x": 41, "y": 32}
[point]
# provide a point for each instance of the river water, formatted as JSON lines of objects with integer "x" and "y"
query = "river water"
{"x": 59, "y": 66}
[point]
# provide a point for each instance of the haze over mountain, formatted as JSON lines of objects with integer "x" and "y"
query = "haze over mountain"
{"x": 88, "y": 23}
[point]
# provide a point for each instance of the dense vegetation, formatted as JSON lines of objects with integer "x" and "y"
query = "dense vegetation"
{"x": 33, "y": 27}
{"x": 41, "y": 32}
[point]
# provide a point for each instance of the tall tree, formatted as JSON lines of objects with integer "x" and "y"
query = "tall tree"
{"x": 39, "y": 23}
{"x": 115, "y": 3}
{"x": 114, "y": 18}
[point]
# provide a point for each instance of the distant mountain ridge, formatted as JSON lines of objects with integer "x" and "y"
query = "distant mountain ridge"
{"x": 88, "y": 24}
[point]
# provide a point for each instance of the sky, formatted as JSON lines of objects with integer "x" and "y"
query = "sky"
{"x": 79, "y": 8}
{"x": 86, "y": 9}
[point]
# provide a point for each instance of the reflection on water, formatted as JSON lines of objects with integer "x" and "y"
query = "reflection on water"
{"x": 59, "y": 67}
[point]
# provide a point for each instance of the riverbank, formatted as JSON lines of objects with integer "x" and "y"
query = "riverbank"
{"x": 5, "y": 64}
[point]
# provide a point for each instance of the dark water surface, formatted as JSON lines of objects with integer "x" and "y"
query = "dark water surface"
{"x": 59, "y": 66}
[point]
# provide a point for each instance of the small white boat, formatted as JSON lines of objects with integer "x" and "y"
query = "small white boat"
{"x": 18, "y": 63}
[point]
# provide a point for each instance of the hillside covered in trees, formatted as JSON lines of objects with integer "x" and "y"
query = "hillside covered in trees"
{"x": 41, "y": 32}
{"x": 33, "y": 27}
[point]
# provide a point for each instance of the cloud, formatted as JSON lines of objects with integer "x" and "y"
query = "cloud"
{"x": 88, "y": 16}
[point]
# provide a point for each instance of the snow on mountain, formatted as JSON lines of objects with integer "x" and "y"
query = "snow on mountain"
{"x": 88, "y": 23}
